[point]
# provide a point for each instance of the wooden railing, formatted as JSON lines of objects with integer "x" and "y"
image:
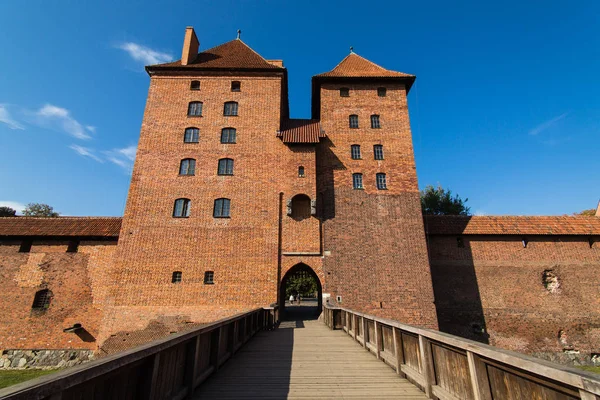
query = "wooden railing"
{"x": 169, "y": 368}
{"x": 448, "y": 367}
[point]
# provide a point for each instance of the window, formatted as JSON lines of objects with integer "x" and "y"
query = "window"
{"x": 192, "y": 135}
{"x": 301, "y": 207}
{"x": 236, "y": 86}
{"x": 344, "y": 92}
{"x": 209, "y": 278}
{"x": 231, "y": 108}
{"x": 381, "y": 92}
{"x": 225, "y": 166}
{"x": 301, "y": 172}
{"x": 25, "y": 246}
{"x": 221, "y": 208}
{"x": 176, "y": 277}
{"x": 182, "y": 208}
{"x": 195, "y": 109}
{"x": 187, "y": 167}
{"x": 42, "y": 299}
{"x": 73, "y": 246}
{"x": 354, "y": 121}
{"x": 195, "y": 85}
{"x": 375, "y": 122}
{"x": 381, "y": 182}
{"x": 357, "y": 181}
{"x": 228, "y": 135}
{"x": 355, "y": 151}
{"x": 378, "y": 151}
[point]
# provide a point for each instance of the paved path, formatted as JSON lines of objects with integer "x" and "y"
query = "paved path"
{"x": 303, "y": 359}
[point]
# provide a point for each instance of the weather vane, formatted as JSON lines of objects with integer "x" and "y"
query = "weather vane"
{"x": 239, "y": 33}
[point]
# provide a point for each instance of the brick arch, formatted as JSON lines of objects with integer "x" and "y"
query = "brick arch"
{"x": 300, "y": 267}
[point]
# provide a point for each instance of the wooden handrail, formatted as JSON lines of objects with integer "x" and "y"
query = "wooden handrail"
{"x": 448, "y": 367}
{"x": 169, "y": 368}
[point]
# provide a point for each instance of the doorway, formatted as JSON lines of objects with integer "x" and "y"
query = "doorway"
{"x": 302, "y": 286}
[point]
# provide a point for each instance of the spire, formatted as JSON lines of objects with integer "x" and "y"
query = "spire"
{"x": 351, "y": 50}
{"x": 239, "y": 34}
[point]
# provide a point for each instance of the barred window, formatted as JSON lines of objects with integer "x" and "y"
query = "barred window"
{"x": 195, "y": 85}
{"x": 42, "y": 299}
{"x": 381, "y": 92}
{"x": 355, "y": 151}
{"x": 176, "y": 277}
{"x": 378, "y": 151}
{"x": 195, "y": 109}
{"x": 381, "y": 181}
{"x": 225, "y": 166}
{"x": 354, "y": 121}
{"x": 187, "y": 166}
{"x": 301, "y": 172}
{"x": 344, "y": 92}
{"x": 236, "y": 86}
{"x": 192, "y": 135}
{"x": 375, "y": 121}
{"x": 231, "y": 108}
{"x": 209, "y": 278}
{"x": 222, "y": 207}
{"x": 357, "y": 182}
{"x": 228, "y": 135}
{"x": 182, "y": 208}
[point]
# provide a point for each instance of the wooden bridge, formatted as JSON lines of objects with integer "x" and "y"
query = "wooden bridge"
{"x": 345, "y": 354}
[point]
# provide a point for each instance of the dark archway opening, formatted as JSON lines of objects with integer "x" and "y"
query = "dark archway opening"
{"x": 300, "y": 207}
{"x": 303, "y": 284}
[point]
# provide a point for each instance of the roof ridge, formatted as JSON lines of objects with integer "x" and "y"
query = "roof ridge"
{"x": 369, "y": 61}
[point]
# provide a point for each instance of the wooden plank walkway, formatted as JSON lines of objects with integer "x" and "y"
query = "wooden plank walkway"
{"x": 305, "y": 360}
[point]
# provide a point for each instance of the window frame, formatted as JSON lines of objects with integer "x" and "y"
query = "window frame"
{"x": 185, "y": 208}
{"x": 234, "y": 88}
{"x": 191, "y": 165}
{"x": 209, "y": 277}
{"x": 381, "y": 92}
{"x": 193, "y": 84}
{"x": 344, "y": 92}
{"x": 219, "y": 205}
{"x": 192, "y": 106}
{"x": 381, "y": 183}
{"x": 42, "y": 300}
{"x": 377, "y": 147}
{"x": 357, "y": 181}
{"x": 355, "y": 153}
{"x": 233, "y": 109}
{"x": 375, "y": 121}
{"x": 353, "y": 121}
{"x": 229, "y": 135}
{"x": 228, "y": 167}
{"x": 176, "y": 277}
{"x": 193, "y": 132}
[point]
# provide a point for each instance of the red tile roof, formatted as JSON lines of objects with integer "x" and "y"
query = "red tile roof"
{"x": 358, "y": 67}
{"x": 301, "y": 131}
{"x": 60, "y": 226}
{"x": 231, "y": 55}
{"x": 511, "y": 225}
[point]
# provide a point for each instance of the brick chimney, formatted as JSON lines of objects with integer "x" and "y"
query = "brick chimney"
{"x": 190, "y": 46}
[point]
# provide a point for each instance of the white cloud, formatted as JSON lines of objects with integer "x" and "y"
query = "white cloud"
{"x": 545, "y": 125}
{"x": 6, "y": 118}
{"x": 85, "y": 152}
{"x": 58, "y": 118}
{"x": 122, "y": 157}
{"x": 91, "y": 128}
{"x": 14, "y": 205}
{"x": 144, "y": 54}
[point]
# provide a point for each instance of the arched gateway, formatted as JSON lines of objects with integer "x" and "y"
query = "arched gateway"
{"x": 293, "y": 281}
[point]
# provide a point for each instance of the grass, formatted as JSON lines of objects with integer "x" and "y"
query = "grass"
{"x": 12, "y": 377}
{"x": 590, "y": 369}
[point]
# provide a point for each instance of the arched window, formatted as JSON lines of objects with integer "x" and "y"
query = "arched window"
{"x": 357, "y": 181}
{"x": 301, "y": 172}
{"x": 378, "y": 151}
{"x": 225, "y": 166}
{"x": 231, "y": 108}
{"x": 195, "y": 85}
{"x": 381, "y": 181}
{"x": 344, "y": 92}
{"x": 300, "y": 207}
{"x": 42, "y": 299}
{"x": 222, "y": 208}
{"x": 209, "y": 277}
{"x": 192, "y": 135}
{"x": 182, "y": 208}
{"x": 187, "y": 166}
{"x": 353, "y": 121}
{"x": 375, "y": 121}
{"x": 228, "y": 135}
{"x": 355, "y": 152}
{"x": 195, "y": 109}
{"x": 176, "y": 277}
{"x": 381, "y": 92}
{"x": 236, "y": 86}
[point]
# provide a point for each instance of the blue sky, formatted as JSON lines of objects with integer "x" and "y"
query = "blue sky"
{"x": 505, "y": 109}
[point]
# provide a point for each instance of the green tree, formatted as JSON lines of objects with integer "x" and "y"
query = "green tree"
{"x": 7, "y": 212}
{"x": 439, "y": 201}
{"x": 39, "y": 210}
{"x": 301, "y": 284}
{"x": 589, "y": 213}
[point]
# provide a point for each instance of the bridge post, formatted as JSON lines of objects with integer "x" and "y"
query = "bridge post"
{"x": 479, "y": 378}
{"x": 152, "y": 392}
{"x": 363, "y": 328}
{"x": 587, "y": 395}
{"x": 427, "y": 365}
{"x": 354, "y": 325}
{"x": 398, "y": 351}
{"x": 191, "y": 365}
{"x": 377, "y": 330}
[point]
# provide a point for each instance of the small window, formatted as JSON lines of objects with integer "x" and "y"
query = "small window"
{"x": 225, "y": 166}
{"x": 301, "y": 172}
{"x": 192, "y": 135}
{"x": 378, "y": 151}
{"x": 187, "y": 166}
{"x": 182, "y": 208}
{"x": 357, "y": 181}
{"x": 381, "y": 92}
{"x": 73, "y": 246}
{"x": 176, "y": 277}
{"x": 222, "y": 207}
{"x": 25, "y": 246}
{"x": 195, "y": 85}
{"x": 42, "y": 300}
{"x": 195, "y": 109}
{"x": 354, "y": 121}
{"x": 355, "y": 151}
{"x": 231, "y": 108}
{"x": 301, "y": 207}
{"x": 344, "y": 92}
{"x": 236, "y": 86}
{"x": 228, "y": 135}
{"x": 375, "y": 122}
{"x": 381, "y": 181}
{"x": 209, "y": 278}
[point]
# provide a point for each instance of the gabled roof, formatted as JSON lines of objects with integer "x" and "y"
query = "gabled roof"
{"x": 355, "y": 66}
{"x": 300, "y": 131}
{"x": 61, "y": 226}
{"x": 231, "y": 55}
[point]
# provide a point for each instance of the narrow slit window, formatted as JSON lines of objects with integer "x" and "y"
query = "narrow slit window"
{"x": 187, "y": 166}
{"x": 301, "y": 172}
{"x": 195, "y": 109}
{"x": 228, "y": 135}
{"x": 182, "y": 208}
{"x": 176, "y": 277}
{"x": 353, "y": 121}
{"x": 222, "y": 208}
{"x": 357, "y": 181}
{"x": 42, "y": 299}
{"x": 192, "y": 135}
{"x": 73, "y": 246}
{"x": 225, "y": 166}
{"x": 230, "y": 109}
{"x": 375, "y": 122}
{"x": 25, "y": 246}
{"x": 381, "y": 92}
{"x": 195, "y": 85}
{"x": 209, "y": 278}
{"x": 236, "y": 86}
{"x": 355, "y": 151}
{"x": 381, "y": 181}
{"x": 344, "y": 92}
{"x": 378, "y": 151}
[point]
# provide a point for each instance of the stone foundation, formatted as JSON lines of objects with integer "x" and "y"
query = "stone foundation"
{"x": 571, "y": 358}
{"x": 43, "y": 359}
